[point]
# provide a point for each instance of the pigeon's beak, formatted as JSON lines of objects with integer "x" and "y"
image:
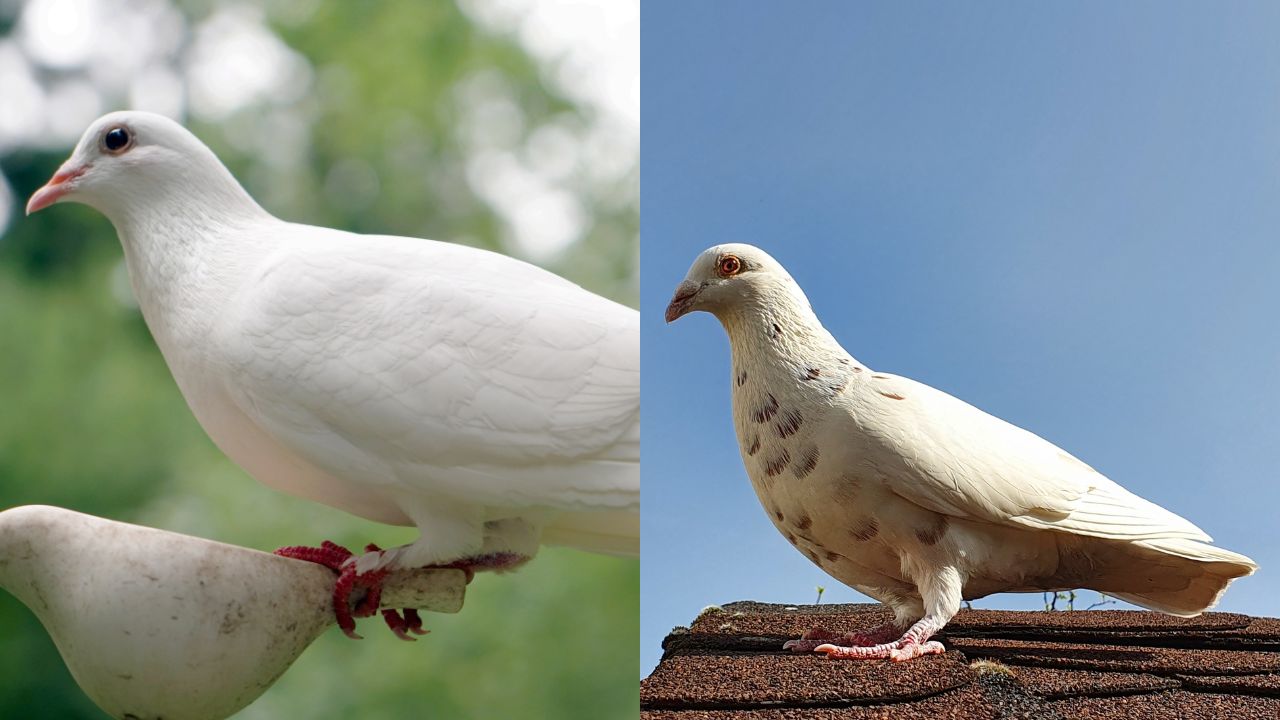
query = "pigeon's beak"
{"x": 58, "y": 186}
{"x": 682, "y": 301}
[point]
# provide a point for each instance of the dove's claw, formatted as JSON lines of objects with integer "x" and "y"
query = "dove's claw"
{"x": 410, "y": 622}
{"x": 329, "y": 554}
{"x": 357, "y": 594}
{"x": 349, "y": 582}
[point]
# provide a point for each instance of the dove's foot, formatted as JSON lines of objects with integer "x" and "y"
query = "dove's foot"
{"x": 493, "y": 562}
{"x": 356, "y": 594}
{"x": 818, "y": 636}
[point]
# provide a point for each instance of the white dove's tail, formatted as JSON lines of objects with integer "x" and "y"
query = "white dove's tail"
{"x": 612, "y": 532}
{"x": 1182, "y": 577}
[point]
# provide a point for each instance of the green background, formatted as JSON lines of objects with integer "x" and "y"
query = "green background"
{"x": 93, "y": 421}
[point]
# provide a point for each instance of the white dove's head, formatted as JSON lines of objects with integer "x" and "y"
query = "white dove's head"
{"x": 727, "y": 278}
{"x": 132, "y": 159}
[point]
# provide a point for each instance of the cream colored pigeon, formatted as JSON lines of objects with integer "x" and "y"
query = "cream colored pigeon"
{"x": 918, "y": 499}
{"x": 490, "y": 403}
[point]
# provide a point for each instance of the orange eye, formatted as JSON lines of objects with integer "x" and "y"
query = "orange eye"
{"x": 730, "y": 265}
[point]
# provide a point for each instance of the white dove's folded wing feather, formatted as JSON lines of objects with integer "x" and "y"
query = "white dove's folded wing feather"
{"x": 439, "y": 367}
{"x": 967, "y": 463}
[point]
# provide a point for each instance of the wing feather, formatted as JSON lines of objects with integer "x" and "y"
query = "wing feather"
{"x": 436, "y": 366}
{"x": 966, "y": 463}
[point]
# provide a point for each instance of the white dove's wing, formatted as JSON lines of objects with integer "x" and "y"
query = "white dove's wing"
{"x": 966, "y": 463}
{"x": 440, "y": 367}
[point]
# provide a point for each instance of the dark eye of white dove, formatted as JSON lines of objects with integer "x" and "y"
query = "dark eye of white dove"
{"x": 117, "y": 140}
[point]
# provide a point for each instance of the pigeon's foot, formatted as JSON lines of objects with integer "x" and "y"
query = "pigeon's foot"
{"x": 904, "y": 649}
{"x": 819, "y": 636}
{"x": 356, "y": 594}
{"x": 913, "y": 643}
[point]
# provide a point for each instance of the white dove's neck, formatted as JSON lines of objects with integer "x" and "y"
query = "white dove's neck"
{"x": 200, "y": 202}
{"x": 782, "y": 335}
{"x": 184, "y": 244}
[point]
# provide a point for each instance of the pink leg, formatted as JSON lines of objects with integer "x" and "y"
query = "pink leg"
{"x": 822, "y": 636}
{"x": 913, "y": 643}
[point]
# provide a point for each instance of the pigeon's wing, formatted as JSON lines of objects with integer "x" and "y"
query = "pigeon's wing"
{"x": 440, "y": 367}
{"x": 950, "y": 457}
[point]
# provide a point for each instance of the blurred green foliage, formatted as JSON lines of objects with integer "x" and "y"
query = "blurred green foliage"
{"x": 93, "y": 421}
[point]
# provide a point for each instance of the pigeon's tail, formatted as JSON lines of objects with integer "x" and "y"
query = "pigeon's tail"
{"x": 1182, "y": 577}
{"x": 613, "y": 532}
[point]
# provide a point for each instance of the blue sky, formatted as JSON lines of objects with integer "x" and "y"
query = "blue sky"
{"x": 1065, "y": 214}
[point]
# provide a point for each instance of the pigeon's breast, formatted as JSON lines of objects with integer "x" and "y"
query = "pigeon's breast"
{"x": 806, "y": 467}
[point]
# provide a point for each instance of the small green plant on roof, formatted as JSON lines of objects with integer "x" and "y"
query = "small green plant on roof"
{"x": 991, "y": 667}
{"x": 820, "y": 591}
{"x": 708, "y": 610}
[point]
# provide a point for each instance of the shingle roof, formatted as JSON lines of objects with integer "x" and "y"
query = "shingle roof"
{"x": 1135, "y": 665}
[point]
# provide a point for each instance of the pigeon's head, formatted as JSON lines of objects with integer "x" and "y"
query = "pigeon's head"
{"x": 132, "y": 158}
{"x": 728, "y": 278}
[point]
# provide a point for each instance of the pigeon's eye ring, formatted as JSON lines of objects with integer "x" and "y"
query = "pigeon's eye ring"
{"x": 729, "y": 266}
{"x": 117, "y": 140}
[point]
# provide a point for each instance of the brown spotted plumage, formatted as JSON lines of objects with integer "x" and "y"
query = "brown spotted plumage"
{"x": 865, "y": 530}
{"x": 766, "y": 411}
{"x": 774, "y": 465}
{"x": 806, "y": 462}
{"x": 933, "y": 533}
{"x": 788, "y": 423}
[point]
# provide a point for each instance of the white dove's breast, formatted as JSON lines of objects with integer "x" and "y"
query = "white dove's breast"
{"x": 269, "y": 461}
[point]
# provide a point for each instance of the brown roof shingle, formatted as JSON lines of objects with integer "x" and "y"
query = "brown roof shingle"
{"x": 729, "y": 665}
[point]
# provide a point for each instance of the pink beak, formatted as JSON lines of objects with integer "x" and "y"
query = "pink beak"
{"x": 60, "y": 184}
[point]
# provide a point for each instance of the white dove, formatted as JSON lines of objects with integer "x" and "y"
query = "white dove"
{"x": 918, "y": 499}
{"x": 488, "y": 402}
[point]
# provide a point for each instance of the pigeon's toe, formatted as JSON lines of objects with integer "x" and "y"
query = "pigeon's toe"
{"x": 819, "y": 636}
{"x": 898, "y": 651}
{"x": 803, "y": 645}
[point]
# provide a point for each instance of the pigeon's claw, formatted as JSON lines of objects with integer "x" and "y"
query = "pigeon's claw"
{"x": 904, "y": 649}
{"x": 818, "y": 636}
{"x": 913, "y": 643}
